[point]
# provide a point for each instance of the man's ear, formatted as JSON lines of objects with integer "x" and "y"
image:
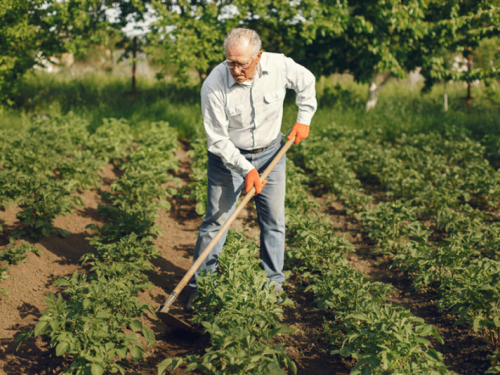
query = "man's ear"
{"x": 259, "y": 55}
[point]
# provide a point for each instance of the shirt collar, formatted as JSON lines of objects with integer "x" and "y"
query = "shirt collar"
{"x": 264, "y": 66}
{"x": 261, "y": 69}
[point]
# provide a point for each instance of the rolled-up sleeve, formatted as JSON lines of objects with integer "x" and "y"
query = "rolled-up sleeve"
{"x": 216, "y": 126}
{"x": 302, "y": 81}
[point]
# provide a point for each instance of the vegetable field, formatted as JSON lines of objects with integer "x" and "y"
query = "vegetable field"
{"x": 392, "y": 206}
{"x": 392, "y": 255}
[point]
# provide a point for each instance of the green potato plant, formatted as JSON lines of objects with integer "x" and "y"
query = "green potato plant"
{"x": 88, "y": 331}
{"x": 237, "y": 307}
{"x": 18, "y": 254}
{"x": 240, "y": 353}
{"x": 110, "y": 141}
{"x": 387, "y": 340}
{"x": 42, "y": 199}
{"x": 83, "y": 168}
{"x": 120, "y": 223}
{"x": 128, "y": 250}
{"x": 388, "y": 223}
{"x": 343, "y": 286}
{"x": 474, "y": 294}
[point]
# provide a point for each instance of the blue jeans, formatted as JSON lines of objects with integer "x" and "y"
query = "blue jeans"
{"x": 224, "y": 188}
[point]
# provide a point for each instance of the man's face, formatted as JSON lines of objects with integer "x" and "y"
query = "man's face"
{"x": 241, "y": 55}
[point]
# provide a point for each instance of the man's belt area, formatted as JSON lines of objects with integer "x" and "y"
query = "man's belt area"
{"x": 256, "y": 151}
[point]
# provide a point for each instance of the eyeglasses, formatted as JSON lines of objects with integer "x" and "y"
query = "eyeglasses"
{"x": 242, "y": 67}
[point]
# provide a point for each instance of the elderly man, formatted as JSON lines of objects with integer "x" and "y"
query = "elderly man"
{"x": 242, "y": 107}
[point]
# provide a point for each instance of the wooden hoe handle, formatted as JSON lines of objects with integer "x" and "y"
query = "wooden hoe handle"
{"x": 225, "y": 227}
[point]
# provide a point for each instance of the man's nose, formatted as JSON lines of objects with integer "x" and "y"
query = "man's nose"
{"x": 236, "y": 67}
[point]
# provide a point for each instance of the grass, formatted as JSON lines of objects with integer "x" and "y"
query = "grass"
{"x": 404, "y": 110}
{"x": 400, "y": 109}
{"x": 97, "y": 96}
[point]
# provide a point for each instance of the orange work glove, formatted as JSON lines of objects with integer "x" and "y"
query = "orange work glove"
{"x": 252, "y": 179}
{"x": 299, "y": 130}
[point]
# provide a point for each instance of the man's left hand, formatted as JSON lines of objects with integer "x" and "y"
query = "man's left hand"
{"x": 300, "y": 131}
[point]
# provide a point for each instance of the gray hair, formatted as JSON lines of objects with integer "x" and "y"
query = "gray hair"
{"x": 235, "y": 35}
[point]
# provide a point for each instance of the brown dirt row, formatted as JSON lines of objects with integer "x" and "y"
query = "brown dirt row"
{"x": 30, "y": 282}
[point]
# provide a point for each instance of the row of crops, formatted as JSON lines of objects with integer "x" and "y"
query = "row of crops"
{"x": 428, "y": 202}
{"x": 435, "y": 221}
{"x": 358, "y": 321}
{"x": 94, "y": 323}
{"x": 383, "y": 338}
{"x": 41, "y": 170}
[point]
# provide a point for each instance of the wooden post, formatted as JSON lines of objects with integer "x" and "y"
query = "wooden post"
{"x": 134, "y": 67}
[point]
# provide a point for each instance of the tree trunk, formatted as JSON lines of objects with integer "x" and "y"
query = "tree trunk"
{"x": 112, "y": 50}
{"x": 134, "y": 59}
{"x": 374, "y": 90}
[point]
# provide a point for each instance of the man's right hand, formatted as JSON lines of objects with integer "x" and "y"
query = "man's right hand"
{"x": 252, "y": 179}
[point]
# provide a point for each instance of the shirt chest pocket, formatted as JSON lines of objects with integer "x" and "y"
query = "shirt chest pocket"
{"x": 273, "y": 103}
{"x": 235, "y": 116}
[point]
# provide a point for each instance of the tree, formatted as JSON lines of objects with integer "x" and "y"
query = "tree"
{"x": 192, "y": 32}
{"x": 367, "y": 39}
{"x": 34, "y": 30}
{"x": 392, "y": 37}
{"x": 457, "y": 27}
{"x": 24, "y": 39}
{"x": 80, "y": 24}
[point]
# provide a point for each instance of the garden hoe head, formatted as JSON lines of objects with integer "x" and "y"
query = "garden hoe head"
{"x": 173, "y": 321}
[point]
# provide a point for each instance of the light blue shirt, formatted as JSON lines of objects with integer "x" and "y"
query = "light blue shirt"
{"x": 248, "y": 116}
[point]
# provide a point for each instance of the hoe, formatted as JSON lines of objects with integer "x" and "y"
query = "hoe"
{"x": 162, "y": 311}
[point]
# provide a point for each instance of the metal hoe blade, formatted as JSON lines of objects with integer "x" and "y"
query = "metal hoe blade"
{"x": 171, "y": 320}
{"x": 176, "y": 323}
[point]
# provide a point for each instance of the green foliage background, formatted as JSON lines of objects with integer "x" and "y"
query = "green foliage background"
{"x": 24, "y": 37}
{"x": 363, "y": 38}
{"x": 341, "y": 101}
